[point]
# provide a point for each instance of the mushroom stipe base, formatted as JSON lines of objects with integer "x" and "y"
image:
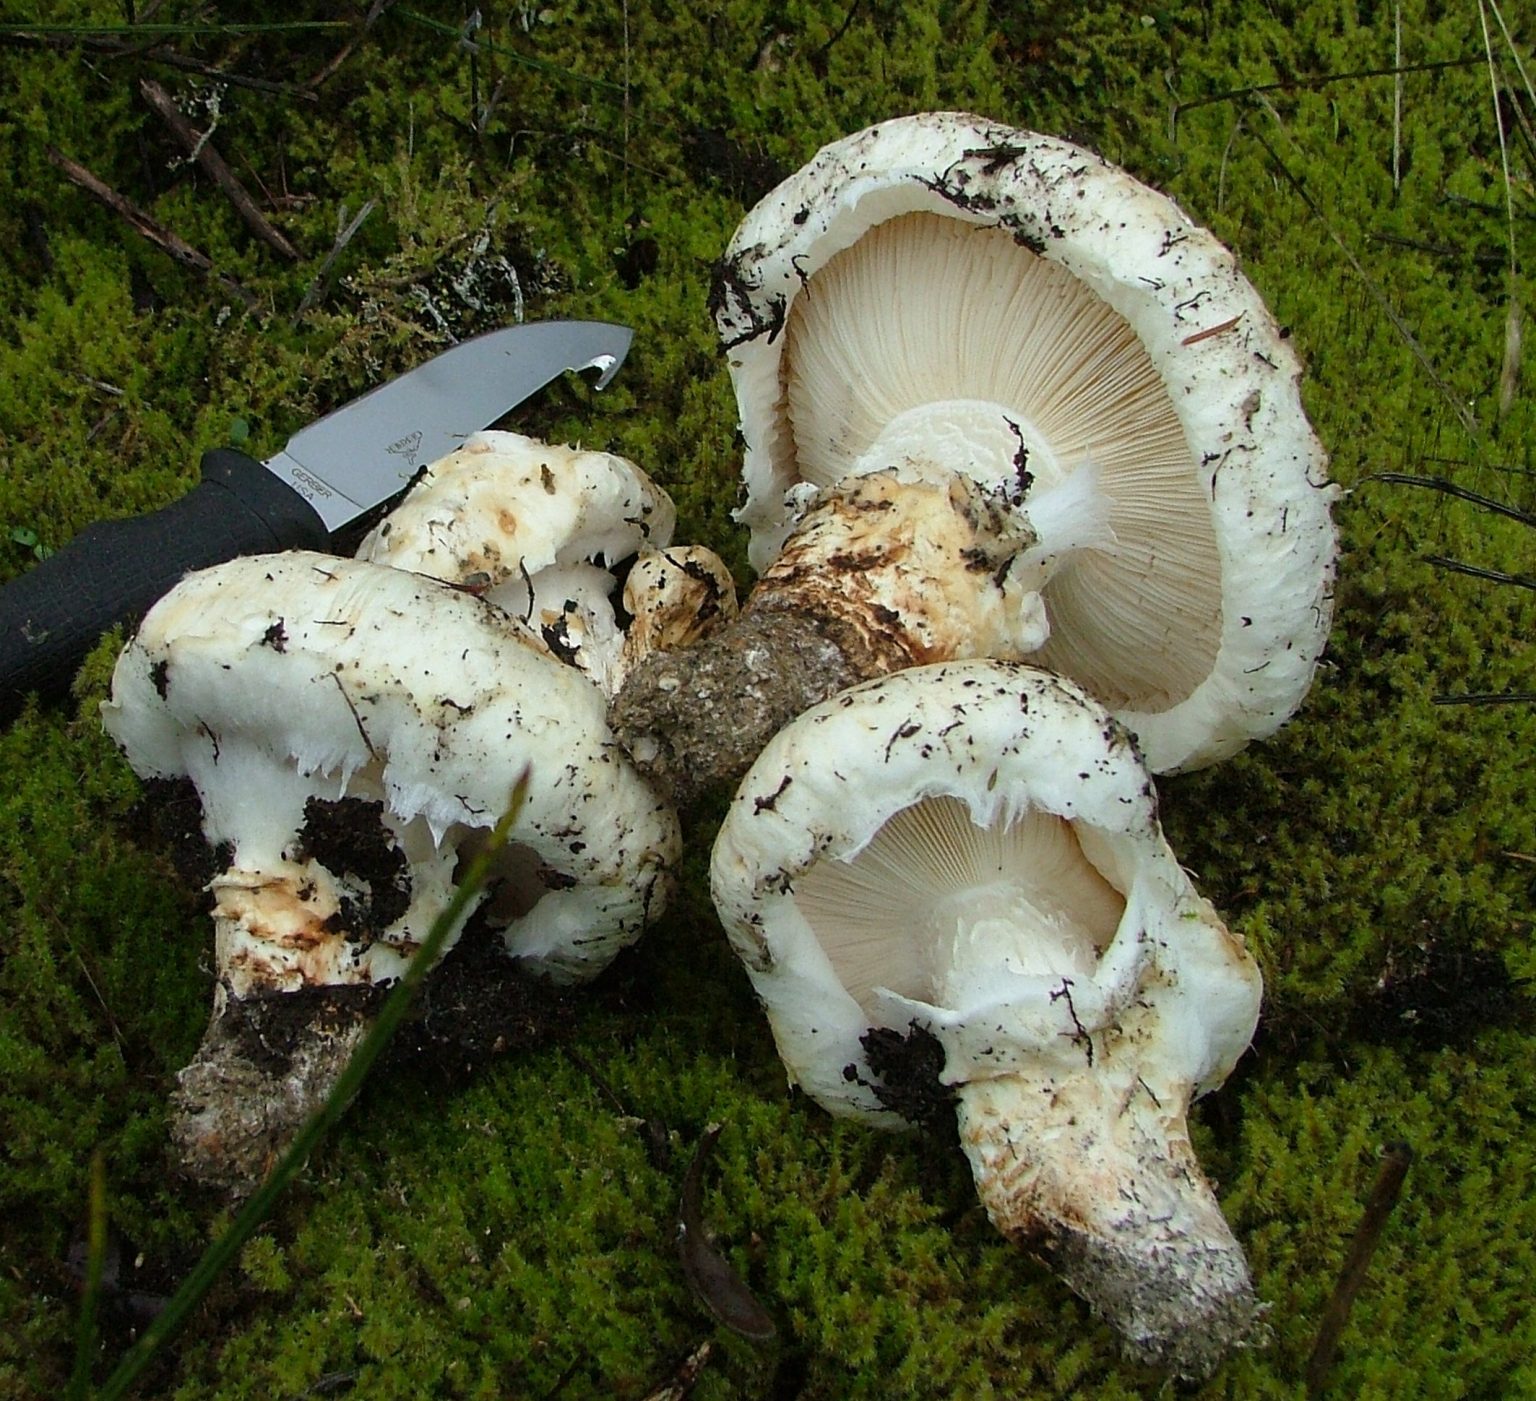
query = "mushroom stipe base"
{"x": 882, "y": 572}
{"x": 268, "y": 1061}
{"x": 102, "y": 947}
{"x": 694, "y": 720}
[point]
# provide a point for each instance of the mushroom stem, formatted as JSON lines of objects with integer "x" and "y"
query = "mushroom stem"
{"x": 885, "y": 571}
{"x": 352, "y": 731}
{"x": 266, "y": 1063}
{"x": 1063, "y": 504}
{"x": 694, "y": 720}
{"x": 1107, "y": 1181}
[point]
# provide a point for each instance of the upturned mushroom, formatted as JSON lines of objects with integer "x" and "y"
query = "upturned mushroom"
{"x": 967, "y": 856}
{"x": 352, "y": 731}
{"x": 941, "y": 298}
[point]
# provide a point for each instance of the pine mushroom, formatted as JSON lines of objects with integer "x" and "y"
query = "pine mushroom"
{"x": 968, "y": 854}
{"x": 351, "y": 730}
{"x": 534, "y": 527}
{"x": 943, "y": 299}
{"x": 555, "y": 535}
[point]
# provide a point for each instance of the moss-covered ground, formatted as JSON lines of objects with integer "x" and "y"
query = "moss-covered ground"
{"x": 509, "y": 1234}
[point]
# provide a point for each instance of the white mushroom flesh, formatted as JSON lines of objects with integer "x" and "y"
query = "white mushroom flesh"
{"x": 935, "y": 902}
{"x": 1044, "y": 378}
{"x": 535, "y": 528}
{"x": 674, "y": 597}
{"x": 970, "y": 852}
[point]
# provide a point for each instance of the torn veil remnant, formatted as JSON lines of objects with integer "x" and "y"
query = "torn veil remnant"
{"x": 971, "y": 851}
{"x": 942, "y": 295}
{"x": 352, "y": 732}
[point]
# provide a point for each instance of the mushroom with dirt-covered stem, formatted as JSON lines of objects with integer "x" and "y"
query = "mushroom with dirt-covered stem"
{"x": 352, "y": 731}
{"x": 969, "y": 854}
{"x": 942, "y": 298}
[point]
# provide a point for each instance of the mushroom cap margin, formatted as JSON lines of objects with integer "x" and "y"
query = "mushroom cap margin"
{"x": 300, "y": 673}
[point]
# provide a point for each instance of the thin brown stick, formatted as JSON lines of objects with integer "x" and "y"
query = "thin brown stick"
{"x": 1440, "y": 250}
{"x": 1397, "y": 96}
{"x": 1490, "y": 698}
{"x": 333, "y": 65}
{"x": 1395, "y": 1160}
{"x": 343, "y": 237}
{"x": 680, "y": 1384}
{"x": 1461, "y": 493}
{"x": 203, "y": 151}
{"x": 169, "y": 58}
{"x": 1324, "y": 80}
{"x": 1210, "y": 331}
{"x": 1476, "y": 571}
{"x": 162, "y": 237}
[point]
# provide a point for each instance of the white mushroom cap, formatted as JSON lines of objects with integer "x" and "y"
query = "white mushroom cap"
{"x": 534, "y": 527}
{"x": 971, "y": 851}
{"x": 873, "y": 823}
{"x": 674, "y": 597}
{"x": 1008, "y": 305}
{"x": 275, "y": 680}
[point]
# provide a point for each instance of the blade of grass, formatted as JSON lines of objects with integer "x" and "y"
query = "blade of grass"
{"x": 258, "y": 1207}
{"x": 90, "y": 1293}
{"x": 1514, "y": 53}
{"x": 457, "y": 32}
{"x": 1509, "y": 377}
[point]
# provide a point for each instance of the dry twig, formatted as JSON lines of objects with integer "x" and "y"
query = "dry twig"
{"x": 682, "y": 1381}
{"x": 167, "y": 57}
{"x": 1395, "y": 1160}
{"x": 203, "y": 151}
{"x": 333, "y": 65}
{"x": 344, "y": 233}
{"x": 162, "y": 237}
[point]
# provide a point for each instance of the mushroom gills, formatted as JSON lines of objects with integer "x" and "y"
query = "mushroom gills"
{"x": 1008, "y": 368}
{"x": 935, "y": 903}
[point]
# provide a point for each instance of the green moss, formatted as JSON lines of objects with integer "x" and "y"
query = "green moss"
{"x": 494, "y": 1237}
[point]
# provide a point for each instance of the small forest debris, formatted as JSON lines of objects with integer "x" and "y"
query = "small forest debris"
{"x": 72, "y": 38}
{"x": 163, "y": 238}
{"x": 206, "y": 154}
{"x": 345, "y": 231}
{"x": 658, "y": 1144}
{"x": 686, "y": 1375}
{"x": 1396, "y": 1158}
{"x": 714, "y": 1282}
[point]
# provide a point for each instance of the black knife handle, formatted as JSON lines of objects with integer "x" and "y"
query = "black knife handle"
{"x": 112, "y": 571}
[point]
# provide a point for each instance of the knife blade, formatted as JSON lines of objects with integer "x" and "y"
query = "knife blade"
{"x": 325, "y": 476}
